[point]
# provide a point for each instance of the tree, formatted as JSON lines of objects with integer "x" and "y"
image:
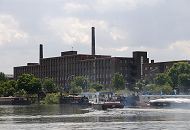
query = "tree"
{"x": 118, "y": 81}
{"x": 79, "y": 82}
{"x": 36, "y": 86}
{"x": 96, "y": 86}
{"x": 29, "y": 83}
{"x": 140, "y": 84}
{"x": 75, "y": 90}
{"x": 184, "y": 81}
{"x": 8, "y": 88}
{"x": 2, "y": 77}
{"x": 158, "y": 89}
{"x": 176, "y": 70}
{"x": 162, "y": 79}
{"x": 49, "y": 86}
{"x": 166, "y": 89}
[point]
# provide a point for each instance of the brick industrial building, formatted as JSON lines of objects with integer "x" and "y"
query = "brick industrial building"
{"x": 97, "y": 68}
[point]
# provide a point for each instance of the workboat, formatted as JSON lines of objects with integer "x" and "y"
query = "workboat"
{"x": 103, "y": 100}
{"x": 170, "y": 102}
{"x": 74, "y": 99}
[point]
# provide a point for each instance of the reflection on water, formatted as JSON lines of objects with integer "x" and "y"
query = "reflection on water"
{"x": 58, "y": 117}
{"x": 41, "y": 110}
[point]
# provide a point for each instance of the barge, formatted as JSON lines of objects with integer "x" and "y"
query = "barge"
{"x": 14, "y": 101}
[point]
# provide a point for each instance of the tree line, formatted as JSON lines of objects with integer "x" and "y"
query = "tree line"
{"x": 46, "y": 91}
{"x": 26, "y": 85}
{"x": 175, "y": 80}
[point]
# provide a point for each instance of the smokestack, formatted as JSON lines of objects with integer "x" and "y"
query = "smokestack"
{"x": 41, "y": 51}
{"x": 93, "y": 40}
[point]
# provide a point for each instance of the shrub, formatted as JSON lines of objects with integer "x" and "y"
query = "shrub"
{"x": 51, "y": 98}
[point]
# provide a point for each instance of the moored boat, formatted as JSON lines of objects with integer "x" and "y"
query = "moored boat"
{"x": 14, "y": 101}
{"x": 170, "y": 102}
{"x": 75, "y": 99}
{"x": 103, "y": 100}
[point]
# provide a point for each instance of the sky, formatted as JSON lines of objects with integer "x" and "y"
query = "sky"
{"x": 160, "y": 27}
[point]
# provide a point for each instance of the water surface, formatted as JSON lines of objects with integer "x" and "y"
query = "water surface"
{"x": 64, "y": 117}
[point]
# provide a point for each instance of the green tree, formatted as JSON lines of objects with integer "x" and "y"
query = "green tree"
{"x": 118, "y": 81}
{"x": 29, "y": 83}
{"x": 1, "y": 89}
{"x": 184, "y": 81}
{"x": 96, "y": 86}
{"x": 176, "y": 70}
{"x": 140, "y": 84}
{"x": 2, "y": 77}
{"x": 162, "y": 79}
{"x": 166, "y": 89}
{"x": 75, "y": 89}
{"x": 51, "y": 98}
{"x": 8, "y": 88}
{"x": 79, "y": 82}
{"x": 49, "y": 86}
{"x": 158, "y": 89}
{"x": 36, "y": 86}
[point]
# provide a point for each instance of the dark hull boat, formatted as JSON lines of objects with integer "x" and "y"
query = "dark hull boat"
{"x": 107, "y": 105}
{"x": 14, "y": 101}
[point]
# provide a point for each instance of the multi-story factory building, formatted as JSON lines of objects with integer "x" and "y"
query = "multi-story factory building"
{"x": 97, "y": 68}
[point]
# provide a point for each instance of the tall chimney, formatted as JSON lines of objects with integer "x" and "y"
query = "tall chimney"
{"x": 41, "y": 51}
{"x": 93, "y": 40}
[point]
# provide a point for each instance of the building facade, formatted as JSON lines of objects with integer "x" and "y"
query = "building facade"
{"x": 96, "y": 68}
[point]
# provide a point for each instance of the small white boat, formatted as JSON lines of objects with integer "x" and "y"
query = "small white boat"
{"x": 170, "y": 102}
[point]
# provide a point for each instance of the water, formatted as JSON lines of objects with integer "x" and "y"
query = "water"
{"x": 61, "y": 117}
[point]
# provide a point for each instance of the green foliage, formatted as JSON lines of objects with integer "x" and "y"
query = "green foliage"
{"x": 176, "y": 70}
{"x": 96, "y": 86}
{"x": 75, "y": 90}
{"x": 162, "y": 79}
{"x": 166, "y": 89}
{"x": 36, "y": 86}
{"x": 29, "y": 83}
{"x": 20, "y": 93}
{"x": 8, "y": 88}
{"x": 2, "y": 77}
{"x": 140, "y": 85}
{"x": 49, "y": 86}
{"x": 158, "y": 89}
{"x": 123, "y": 92}
{"x": 184, "y": 81}
{"x": 178, "y": 76}
{"x": 51, "y": 98}
{"x": 92, "y": 90}
{"x": 79, "y": 84}
{"x": 118, "y": 82}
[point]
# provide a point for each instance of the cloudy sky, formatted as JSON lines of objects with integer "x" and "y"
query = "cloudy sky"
{"x": 161, "y": 27}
